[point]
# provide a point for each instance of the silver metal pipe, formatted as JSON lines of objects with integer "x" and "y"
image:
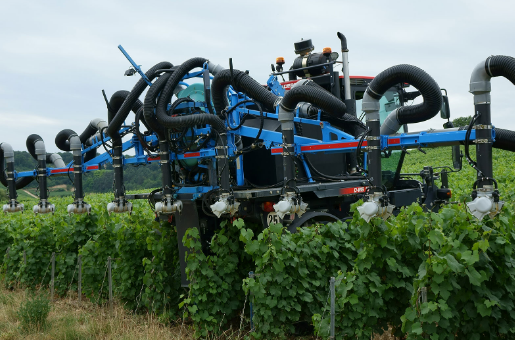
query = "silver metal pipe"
{"x": 346, "y": 74}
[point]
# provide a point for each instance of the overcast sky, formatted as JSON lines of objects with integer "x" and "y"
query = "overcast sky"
{"x": 57, "y": 56}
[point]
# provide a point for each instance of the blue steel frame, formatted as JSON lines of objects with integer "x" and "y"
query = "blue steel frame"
{"x": 272, "y": 140}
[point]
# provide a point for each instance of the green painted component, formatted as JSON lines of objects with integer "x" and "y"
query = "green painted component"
{"x": 194, "y": 91}
{"x": 190, "y": 162}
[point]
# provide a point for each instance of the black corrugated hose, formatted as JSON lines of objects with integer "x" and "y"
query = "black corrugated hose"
{"x": 131, "y": 100}
{"x": 116, "y": 102}
{"x": 333, "y": 107}
{"x": 61, "y": 140}
{"x": 20, "y": 182}
{"x": 150, "y": 104}
{"x": 190, "y": 120}
{"x": 501, "y": 65}
{"x": 240, "y": 81}
{"x": 321, "y": 98}
{"x": 416, "y": 77}
{"x": 504, "y": 139}
{"x": 31, "y": 147}
{"x": 88, "y": 132}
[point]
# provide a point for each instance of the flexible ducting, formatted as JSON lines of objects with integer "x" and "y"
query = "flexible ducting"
{"x": 54, "y": 159}
{"x": 240, "y": 81}
{"x": 131, "y": 100}
{"x": 501, "y": 66}
{"x": 21, "y": 182}
{"x": 494, "y": 66}
{"x": 352, "y": 124}
{"x": 316, "y": 95}
{"x": 62, "y": 139}
{"x": 480, "y": 87}
{"x": 86, "y": 136}
{"x": 91, "y": 129}
{"x": 504, "y": 139}
{"x": 407, "y": 114}
{"x": 150, "y": 104}
{"x": 30, "y": 143}
{"x": 166, "y": 95}
{"x": 116, "y": 102}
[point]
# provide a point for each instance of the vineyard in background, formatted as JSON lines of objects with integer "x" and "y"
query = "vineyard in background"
{"x": 385, "y": 271}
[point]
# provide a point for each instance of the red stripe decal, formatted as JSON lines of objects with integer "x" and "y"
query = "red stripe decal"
{"x": 58, "y": 171}
{"x": 92, "y": 167}
{"x": 149, "y": 159}
{"x": 394, "y": 141}
{"x": 331, "y": 146}
{"x": 350, "y": 191}
{"x": 322, "y": 147}
{"x": 192, "y": 154}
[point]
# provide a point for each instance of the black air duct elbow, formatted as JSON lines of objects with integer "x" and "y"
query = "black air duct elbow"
{"x": 54, "y": 159}
{"x": 132, "y": 102}
{"x": 416, "y": 77}
{"x": 62, "y": 139}
{"x": 115, "y": 103}
{"x": 166, "y": 96}
{"x": 404, "y": 115}
{"x": 316, "y": 95}
{"x": 150, "y": 104}
{"x": 30, "y": 144}
{"x": 90, "y": 131}
{"x": 324, "y": 100}
{"x": 216, "y": 123}
{"x": 501, "y": 66}
{"x": 240, "y": 81}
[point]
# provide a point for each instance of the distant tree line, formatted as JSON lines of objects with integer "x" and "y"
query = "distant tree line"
{"x": 461, "y": 121}
{"x": 135, "y": 178}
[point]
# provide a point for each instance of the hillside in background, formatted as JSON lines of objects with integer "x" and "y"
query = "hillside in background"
{"x": 135, "y": 178}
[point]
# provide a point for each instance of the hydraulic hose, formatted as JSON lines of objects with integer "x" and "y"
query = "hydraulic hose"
{"x": 416, "y": 77}
{"x": 240, "y": 81}
{"x": 131, "y": 100}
